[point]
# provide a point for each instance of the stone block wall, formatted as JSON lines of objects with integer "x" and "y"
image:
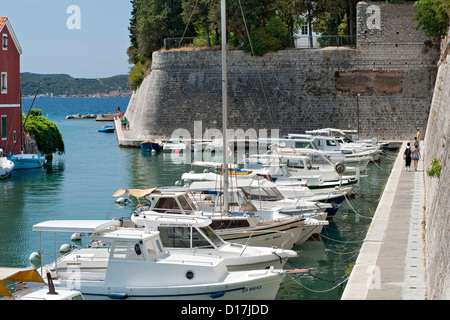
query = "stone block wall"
{"x": 437, "y": 196}
{"x": 388, "y": 78}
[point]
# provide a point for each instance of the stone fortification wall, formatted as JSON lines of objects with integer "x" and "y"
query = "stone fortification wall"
{"x": 388, "y": 78}
{"x": 437, "y": 195}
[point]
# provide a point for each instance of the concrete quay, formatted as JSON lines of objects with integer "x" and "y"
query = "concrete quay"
{"x": 126, "y": 138}
{"x": 391, "y": 263}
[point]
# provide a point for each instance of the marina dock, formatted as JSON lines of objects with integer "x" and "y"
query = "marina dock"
{"x": 97, "y": 117}
{"x": 391, "y": 263}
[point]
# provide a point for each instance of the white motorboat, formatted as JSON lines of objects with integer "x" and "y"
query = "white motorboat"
{"x": 351, "y": 138}
{"x": 291, "y": 194}
{"x": 174, "y": 146}
{"x": 331, "y": 147}
{"x": 296, "y": 170}
{"x": 326, "y": 144}
{"x": 262, "y": 198}
{"x": 279, "y": 230}
{"x": 27, "y": 284}
{"x": 6, "y": 166}
{"x": 192, "y": 234}
{"x": 138, "y": 267}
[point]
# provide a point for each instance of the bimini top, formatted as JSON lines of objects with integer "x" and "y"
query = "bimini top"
{"x": 138, "y": 193}
{"x": 19, "y": 275}
{"x": 87, "y": 226}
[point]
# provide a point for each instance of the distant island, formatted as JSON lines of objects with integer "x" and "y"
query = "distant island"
{"x": 63, "y": 85}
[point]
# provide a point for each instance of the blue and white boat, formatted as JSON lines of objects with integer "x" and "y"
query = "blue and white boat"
{"x": 108, "y": 128}
{"x": 151, "y": 145}
{"x": 24, "y": 161}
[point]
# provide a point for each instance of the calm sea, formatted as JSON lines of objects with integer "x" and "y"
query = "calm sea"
{"x": 80, "y": 183}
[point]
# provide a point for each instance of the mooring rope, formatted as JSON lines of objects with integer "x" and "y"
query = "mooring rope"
{"x": 318, "y": 291}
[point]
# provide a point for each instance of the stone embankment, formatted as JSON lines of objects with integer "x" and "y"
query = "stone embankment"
{"x": 383, "y": 87}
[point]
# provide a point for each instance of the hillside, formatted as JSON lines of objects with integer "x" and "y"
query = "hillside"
{"x": 65, "y": 85}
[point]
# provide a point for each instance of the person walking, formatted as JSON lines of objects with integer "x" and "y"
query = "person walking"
{"x": 407, "y": 157}
{"x": 416, "y": 157}
{"x": 418, "y": 134}
{"x": 124, "y": 123}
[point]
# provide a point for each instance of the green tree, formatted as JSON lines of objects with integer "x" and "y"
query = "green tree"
{"x": 274, "y": 36}
{"x": 47, "y": 135}
{"x": 201, "y": 14}
{"x": 291, "y": 12}
{"x": 432, "y": 17}
{"x": 152, "y": 21}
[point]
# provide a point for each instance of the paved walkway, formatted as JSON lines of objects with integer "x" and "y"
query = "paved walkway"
{"x": 126, "y": 138}
{"x": 391, "y": 264}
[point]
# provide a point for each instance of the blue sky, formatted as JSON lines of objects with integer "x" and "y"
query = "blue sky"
{"x": 51, "y": 44}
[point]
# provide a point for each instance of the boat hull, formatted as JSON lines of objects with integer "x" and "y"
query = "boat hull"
{"x": 150, "y": 146}
{"x": 282, "y": 235}
{"x": 6, "y": 168}
{"x": 261, "y": 285}
{"x": 27, "y": 161}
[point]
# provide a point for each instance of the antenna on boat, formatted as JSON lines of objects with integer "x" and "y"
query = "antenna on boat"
{"x": 224, "y": 105}
{"x": 23, "y": 124}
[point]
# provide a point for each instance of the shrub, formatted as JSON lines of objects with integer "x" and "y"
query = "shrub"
{"x": 136, "y": 76}
{"x": 273, "y": 37}
{"x": 45, "y": 132}
{"x": 434, "y": 171}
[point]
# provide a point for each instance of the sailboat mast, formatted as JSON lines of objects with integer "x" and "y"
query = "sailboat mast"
{"x": 224, "y": 105}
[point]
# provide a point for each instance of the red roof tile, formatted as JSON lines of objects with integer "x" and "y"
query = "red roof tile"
{"x": 2, "y": 21}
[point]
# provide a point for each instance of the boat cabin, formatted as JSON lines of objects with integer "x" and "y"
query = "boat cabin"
{"x": 171, "y": 202}
{"x": 180, "y": 231}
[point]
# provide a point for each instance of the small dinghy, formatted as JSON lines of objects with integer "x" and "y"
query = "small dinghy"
{"x": 107, "y": 129}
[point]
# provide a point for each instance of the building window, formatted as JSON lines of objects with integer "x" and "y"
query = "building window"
{"x": 5, "y": 42}
{"x": 4, "y": 82}
{"x": 4, "y": 128}
{"x": 304, "y": 29}
{"x": 14, "y": 136}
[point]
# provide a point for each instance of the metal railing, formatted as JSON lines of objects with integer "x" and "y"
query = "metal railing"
{"x": 303, "y": 41}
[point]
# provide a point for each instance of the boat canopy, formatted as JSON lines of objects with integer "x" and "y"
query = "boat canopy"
{"x": 87, "y": 226}
{"x": 17, "y": 275}
{"x": 212, "y": 164}
{"x": 138, "y": 193}
{"x": 156, "y": 219}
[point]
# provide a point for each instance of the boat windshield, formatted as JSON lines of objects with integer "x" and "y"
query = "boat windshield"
{"x": 303, "y": 144}
{"x": 267, "y": 194}
{"x": 180, "y": 237}
{"x": 185, "y": 203}
{"x": 212, "y": 236}
{"x": 165, "y": 204}
{"x": 318, "y": 159}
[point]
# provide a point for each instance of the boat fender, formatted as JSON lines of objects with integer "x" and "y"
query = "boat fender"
{"x": 34, "y": 257}
{"x": 65, "y": 248}
{"x": 75, "y": 237}
{"x": 118, "y": 296}
{"x": 218, "y": 294}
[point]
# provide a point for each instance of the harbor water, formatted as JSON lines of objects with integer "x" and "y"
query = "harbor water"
{"x": 79, "y": 184}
